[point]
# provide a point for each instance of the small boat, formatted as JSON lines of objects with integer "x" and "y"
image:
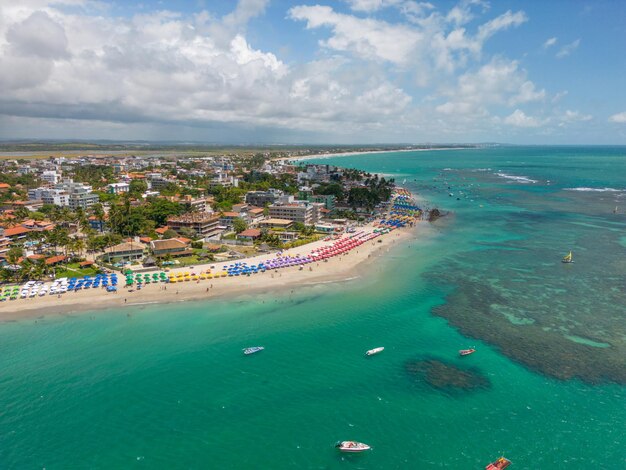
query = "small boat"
{"x": 371, "y": 352}
{"x": 466, "y": 352}
{"x": 252, "y": 350}
{"x": 568, "y": 258}
{"x": 352, "y": 446}
{"x": 499, "y": 464}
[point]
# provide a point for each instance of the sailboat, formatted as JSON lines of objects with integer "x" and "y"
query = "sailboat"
{"x": 568, "y": 258}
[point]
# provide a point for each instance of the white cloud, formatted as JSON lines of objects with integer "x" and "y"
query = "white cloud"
{"x": 163, "y": 68}
{"x": 519, "y": 119}
{"x": 575, "y": 116}
{"x": 367, "y": 38}
{"x": 559, "y": 96}
{"x": 549, "y": 42}
{"x": 500, "y": 82}
{"x": 410, "y": 8}
{"x": 619, "y": 118}
{"x": 462, "y": 13}
{"x": 568, "y": 49}
{"x": 502, "y": 22}
{"x": 432, "y": 43}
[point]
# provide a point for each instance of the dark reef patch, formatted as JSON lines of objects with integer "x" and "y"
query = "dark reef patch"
{"x": 446, "y": 377}
{"x": 545, "y": 350}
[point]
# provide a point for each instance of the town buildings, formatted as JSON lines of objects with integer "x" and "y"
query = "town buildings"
{"x": 204, "y": 225}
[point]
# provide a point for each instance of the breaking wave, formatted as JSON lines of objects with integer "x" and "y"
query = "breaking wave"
{"x": 518, "y": 179}
{"x": 596, "y": 190}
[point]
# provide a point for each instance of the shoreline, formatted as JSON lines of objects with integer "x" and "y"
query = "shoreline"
{"x": 347, "y": 267}
{"x": 365, "y": 152}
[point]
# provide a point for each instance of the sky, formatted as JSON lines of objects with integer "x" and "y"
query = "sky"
{"x": 327, "y": 72}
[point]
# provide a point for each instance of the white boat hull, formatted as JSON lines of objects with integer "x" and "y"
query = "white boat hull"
{"x": 352, "y": 446}
{"x": 371, "y": 352}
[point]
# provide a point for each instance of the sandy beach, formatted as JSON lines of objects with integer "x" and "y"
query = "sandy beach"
{"x": 348, "y": 154}
{"x": 350, "y": 265}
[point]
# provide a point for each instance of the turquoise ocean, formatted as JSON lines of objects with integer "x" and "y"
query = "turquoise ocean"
{"x": 167, "y": 386}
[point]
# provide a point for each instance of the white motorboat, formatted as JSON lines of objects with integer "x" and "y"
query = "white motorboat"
{"x": 252, "y": 350}
{"x": 352, "y": 446}
{"x": 371, "y": 352}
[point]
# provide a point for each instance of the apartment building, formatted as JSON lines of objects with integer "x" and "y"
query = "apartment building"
{"x": 300, "y": 211}
{"x": 261, "y": 198}
{"x": 203, "y": 224}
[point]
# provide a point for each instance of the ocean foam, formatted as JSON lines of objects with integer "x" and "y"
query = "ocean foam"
{"x": 596, "y": 190}
{"x": 518, "y": 179}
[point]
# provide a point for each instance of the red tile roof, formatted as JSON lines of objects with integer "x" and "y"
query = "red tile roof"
{"x": 251, "y": 232}
{"x": 10, "y": 232}
{"x": 161, "y": 230}
{"x": 55, "y": 259}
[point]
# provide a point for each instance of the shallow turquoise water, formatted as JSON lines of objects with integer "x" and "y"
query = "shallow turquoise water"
{"x": 168, "y": 387}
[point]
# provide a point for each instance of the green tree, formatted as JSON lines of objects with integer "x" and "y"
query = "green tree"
{"x": 188, "y": 232}
{"x": 137, "y": 188}
{"x": 14, "y": 254}
{"x": 21, "y": 213}
{"x": 169, "y": 233}
{"x": 239, "y": 225}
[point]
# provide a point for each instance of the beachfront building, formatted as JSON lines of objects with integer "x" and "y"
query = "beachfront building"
{"x": 299, "y": 211}
{"x": 324, "y": 227}
{"x": 16, "y": 234}
{"x": 249, "y": 235}
{"x": 126, "y": 251}
{"x": 170, "y": 247}
{"x": 118, "y": 188}
{"x": 261, "y": 198}
{"x": 276, "y": 223}
{"x": 5, "y": 243}
{"x": 255, "y": 215}
{"x": 204, "y": 224}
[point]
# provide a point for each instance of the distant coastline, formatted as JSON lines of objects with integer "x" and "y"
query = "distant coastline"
{"x": 320, "y": 156}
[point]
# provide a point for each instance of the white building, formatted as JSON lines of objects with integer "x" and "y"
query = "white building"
{"x": 58, "y": 197}
{"x": 118, "y": 188}
{"x": 51, "y": 177}
{"x": 80, "y": 195}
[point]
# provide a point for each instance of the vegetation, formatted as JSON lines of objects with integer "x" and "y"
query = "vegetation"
{"x": 239, "y": 225}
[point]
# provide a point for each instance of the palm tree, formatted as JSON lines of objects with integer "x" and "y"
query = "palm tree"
{"x": 78, "y": 245}
{"x": 38, "y": 269}
{"x": 25, "y": 271}
{"x": 21, "y": 213}
{"x": 14, "y": 254}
